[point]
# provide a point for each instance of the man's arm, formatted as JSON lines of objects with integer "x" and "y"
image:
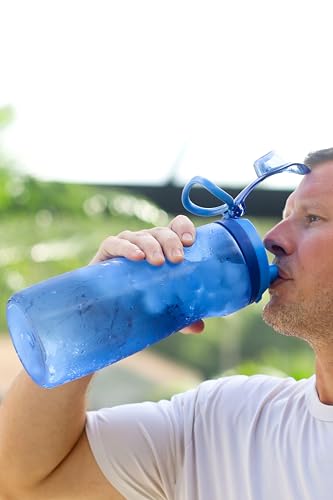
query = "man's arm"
{"x": 44, "y": 452}
{"x": 43, "y": 449}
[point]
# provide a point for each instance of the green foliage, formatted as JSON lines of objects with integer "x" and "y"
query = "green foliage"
{"x": 21, "y": 194}
{"x": 298, "y": 364}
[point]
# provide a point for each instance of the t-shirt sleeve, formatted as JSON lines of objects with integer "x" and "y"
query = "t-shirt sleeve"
{"x": 140, "y": 447}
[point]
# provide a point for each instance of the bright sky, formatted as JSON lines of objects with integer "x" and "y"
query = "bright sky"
{"x": 137, "y": 90}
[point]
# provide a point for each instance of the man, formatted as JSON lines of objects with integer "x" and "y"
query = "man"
{"x": 236, "y": 438}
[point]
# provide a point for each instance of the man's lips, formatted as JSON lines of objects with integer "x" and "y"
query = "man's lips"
{"x": 283, "y": 276}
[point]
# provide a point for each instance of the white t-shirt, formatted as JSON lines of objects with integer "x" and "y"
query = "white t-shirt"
{"x": 236, "y": 438}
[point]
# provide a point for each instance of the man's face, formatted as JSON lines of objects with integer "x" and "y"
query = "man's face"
{"x": 301, "y": 300}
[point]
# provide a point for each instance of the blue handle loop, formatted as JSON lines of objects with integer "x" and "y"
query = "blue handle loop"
{"x": 267, "y": 165}
{"x": 214, "y": 190}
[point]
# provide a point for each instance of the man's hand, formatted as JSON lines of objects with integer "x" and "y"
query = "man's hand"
{"x": 155, "y": 245}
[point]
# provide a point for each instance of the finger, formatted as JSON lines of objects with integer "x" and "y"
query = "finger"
{"x": 184, "y": 228}
{"x": 169, "y": 242}
{"x": 114, "y": 246}
{"x": 153, "y": 244}
{"x": 195, "y": 328}
{"x": 146, "y": 241}
{"x": 157, "y": 243}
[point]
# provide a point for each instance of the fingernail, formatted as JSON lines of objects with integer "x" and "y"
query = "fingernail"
{"x": 187, "y": 237}
{"x": 177, "y": 252}
{"x": 138, "y": 253}
{"x": 158, "y": 256}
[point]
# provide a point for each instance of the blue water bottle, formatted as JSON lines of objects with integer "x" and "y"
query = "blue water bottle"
{"x": 81, "y": 321}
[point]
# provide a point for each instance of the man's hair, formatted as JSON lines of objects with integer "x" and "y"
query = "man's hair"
{"x": 317, "y": 157}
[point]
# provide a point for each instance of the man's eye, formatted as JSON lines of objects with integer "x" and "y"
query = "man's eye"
{"x": 312, "y": 218}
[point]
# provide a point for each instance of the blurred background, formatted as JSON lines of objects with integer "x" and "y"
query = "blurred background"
{"x": 108, "y": 108}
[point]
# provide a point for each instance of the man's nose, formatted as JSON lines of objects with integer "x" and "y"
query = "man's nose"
{"x": 278, "y": 240}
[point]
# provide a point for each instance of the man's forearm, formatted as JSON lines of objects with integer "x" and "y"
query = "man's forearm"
{"x": 38, "y": 428}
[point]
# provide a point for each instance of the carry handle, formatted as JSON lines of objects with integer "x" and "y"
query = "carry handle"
{"x": 265, "y": 166}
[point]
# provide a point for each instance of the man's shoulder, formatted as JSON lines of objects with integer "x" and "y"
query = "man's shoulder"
{"x": 259, "y": 382}
{"x": 247, "y": 393}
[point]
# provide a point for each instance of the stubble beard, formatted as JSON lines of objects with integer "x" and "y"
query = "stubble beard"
{"x": 311, "y": 321}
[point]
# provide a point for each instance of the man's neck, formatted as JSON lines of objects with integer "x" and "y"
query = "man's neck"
{"x": 324, "y": 377}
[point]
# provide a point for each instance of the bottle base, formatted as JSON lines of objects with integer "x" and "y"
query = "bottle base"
{"x": 26, "y": 344}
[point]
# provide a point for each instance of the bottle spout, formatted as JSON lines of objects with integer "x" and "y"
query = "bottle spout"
{"x": 273, "y": 273}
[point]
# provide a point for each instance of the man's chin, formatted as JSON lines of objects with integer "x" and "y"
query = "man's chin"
{"x": 277, "y": 316}
{"x": 279, "y": 302}
{"x": 269, "y": 317}
{"x": 287, "y": 319}
{"x": 272, "y": 307}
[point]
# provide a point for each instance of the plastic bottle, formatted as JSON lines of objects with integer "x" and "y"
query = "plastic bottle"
{"x": 81, "y": 321}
